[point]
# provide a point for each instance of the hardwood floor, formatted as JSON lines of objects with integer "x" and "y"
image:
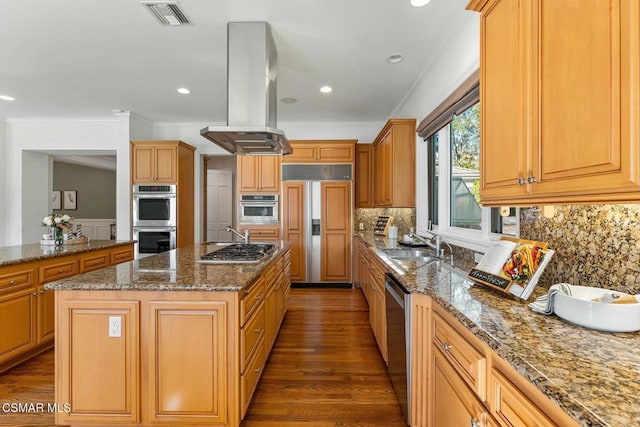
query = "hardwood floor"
{"x": 325, "y": 370}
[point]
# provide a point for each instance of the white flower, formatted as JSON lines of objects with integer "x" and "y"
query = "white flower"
{"x": 47, "y": 220}
{"x": 57, "y": 220}
{"x": 66, "y": 218}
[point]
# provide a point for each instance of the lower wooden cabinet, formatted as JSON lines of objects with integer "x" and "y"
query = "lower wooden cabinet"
{"x": 18, "y": 314}
{"x": 46, "y": 303}
{"x": 377, "y": 313}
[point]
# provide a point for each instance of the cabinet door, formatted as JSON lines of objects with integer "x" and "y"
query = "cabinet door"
{"x": 17, "y": 322}
{"x": 302, "y": 153}
{"x": 338, "y": 153}
{"x": 452, "y": 402}
{"x": 248, "y": 173}
{"x": 187, "y": 358}
{"x": 503, "y": 141}
{"x": 587, "y": 57}
{"x": 420, "y": 357}
{"x": 383, "y": 157}
{"x": 95, "y": 260}
{"x": 335, "y": 223}
{"x": 102, "y": 382}
{"x": 122, "y": 254}
{"x": 143, "y": 164}
{"x": 364, "y": 176}
{"x": 166, "y": 164}
{"x": 294, "y": 227}
{"x": 271, "y": 317}
{"x": 46, "y": 314}
{"x": 269, "y": 174}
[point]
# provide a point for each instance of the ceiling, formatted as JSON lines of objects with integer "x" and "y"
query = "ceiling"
{"x": 79, "y": 58}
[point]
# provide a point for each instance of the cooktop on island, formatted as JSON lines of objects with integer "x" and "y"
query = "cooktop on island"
{"x": 239, "y": 253}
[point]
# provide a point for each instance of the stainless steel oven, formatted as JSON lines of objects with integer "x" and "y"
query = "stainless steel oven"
{"x": 258, "y": 209}
{"x": 153, "y": 240}
{"x": 154, "y": 206}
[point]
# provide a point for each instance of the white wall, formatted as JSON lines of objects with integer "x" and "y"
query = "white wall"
{"x": 456, "y": 60}
{"x": 27, "y": 173}
{"x": 4, "y": 205}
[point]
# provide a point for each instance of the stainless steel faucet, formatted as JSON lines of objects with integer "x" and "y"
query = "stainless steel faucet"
{"x": 436, "y": 245}
{"x": 244, "y": 236}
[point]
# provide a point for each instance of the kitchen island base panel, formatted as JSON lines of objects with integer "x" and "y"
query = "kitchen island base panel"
{"x": 182, "y": 363}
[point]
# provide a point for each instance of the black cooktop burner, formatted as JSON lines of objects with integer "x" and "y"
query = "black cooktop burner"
{"x": 240, "y": 252}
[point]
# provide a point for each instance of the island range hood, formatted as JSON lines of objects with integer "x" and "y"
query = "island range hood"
{"x": 251, "y": 94}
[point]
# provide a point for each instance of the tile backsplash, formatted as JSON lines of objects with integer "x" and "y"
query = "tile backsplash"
{"x": 595, "y": 245}
{"x": 403, "y": 218}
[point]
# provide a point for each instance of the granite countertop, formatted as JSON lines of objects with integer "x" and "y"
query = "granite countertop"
{"x": 18, "y": 254}
{"x": 593, "y": 376}
{"x": 175, "y": 270}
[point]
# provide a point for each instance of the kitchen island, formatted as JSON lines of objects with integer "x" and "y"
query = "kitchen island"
{"x": 568, "y": 374}
{"x": 26, "y": 308}
{"x": 167, "y": 340}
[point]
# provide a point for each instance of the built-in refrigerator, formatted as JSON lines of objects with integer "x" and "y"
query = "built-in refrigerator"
{"x": 317, "y": 222}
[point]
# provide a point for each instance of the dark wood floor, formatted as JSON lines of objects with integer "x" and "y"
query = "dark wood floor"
{"x": 325, "y": 370}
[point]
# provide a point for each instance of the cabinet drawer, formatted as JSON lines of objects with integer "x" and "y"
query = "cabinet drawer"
{"x": 94, "y": 261}
{"x": 251, "y": 375}
{"x": 258, "y": 234}
{"x": 121, "y": 255}
{"x": 463, "y": 356}
{"x": 251, "y": 300}
{"x": 59, "y": 270}
{"x": 14, "y": 278}
{"x": 252, "y": 333}
{"x": 269, "y": 276}
{"x": 511, "y": 407}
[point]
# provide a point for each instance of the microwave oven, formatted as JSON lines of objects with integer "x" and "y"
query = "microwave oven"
{"x": 154, "y": 206}
{"x": 258, "y": 209}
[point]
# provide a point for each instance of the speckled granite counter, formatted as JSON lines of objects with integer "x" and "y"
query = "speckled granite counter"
{"x": 176, "y": 270}
{"x": 33, "y": 252}
{"x": 593, "y": 376}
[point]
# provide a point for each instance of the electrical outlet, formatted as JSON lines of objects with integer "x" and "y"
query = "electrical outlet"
{"x": 115, "y": 326}
{"x": 361, "y": 226}
{"x": 477, "y": 256}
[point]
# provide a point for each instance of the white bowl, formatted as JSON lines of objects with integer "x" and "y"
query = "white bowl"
{"x": 579, "y": 308}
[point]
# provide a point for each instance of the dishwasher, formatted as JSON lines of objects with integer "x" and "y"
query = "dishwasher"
{"x": 397, "y": 313}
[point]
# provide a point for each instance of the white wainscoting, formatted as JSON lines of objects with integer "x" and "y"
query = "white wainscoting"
{"x": 95, "y": 229}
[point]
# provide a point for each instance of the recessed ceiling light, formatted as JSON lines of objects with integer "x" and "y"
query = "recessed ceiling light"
{"x": 184, "y": 90}
{"x": 7, "y": 98}
{"x": 326, "y": 89}
{"x": 288, "y": 100}
{"x": 419, "y": 3}
{"x": 395, "y": 58}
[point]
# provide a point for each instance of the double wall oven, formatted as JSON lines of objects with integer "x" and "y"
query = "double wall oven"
{"x": 154, "y": 218}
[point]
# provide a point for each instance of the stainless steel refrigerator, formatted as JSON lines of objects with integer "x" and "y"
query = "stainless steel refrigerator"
{"x": 317, "y": 218}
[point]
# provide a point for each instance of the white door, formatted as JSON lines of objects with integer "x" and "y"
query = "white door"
{"x": 219, "y": 205}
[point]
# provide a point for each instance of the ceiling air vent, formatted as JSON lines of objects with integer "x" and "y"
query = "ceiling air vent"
{"x": 167, "y": 12}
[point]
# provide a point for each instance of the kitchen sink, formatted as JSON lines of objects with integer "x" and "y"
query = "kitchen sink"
{"x": 409, "y": 258}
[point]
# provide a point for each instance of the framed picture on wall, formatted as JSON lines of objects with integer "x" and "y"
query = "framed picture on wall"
{"x": 56, "y": 199}
{"x": 70, "y": 200}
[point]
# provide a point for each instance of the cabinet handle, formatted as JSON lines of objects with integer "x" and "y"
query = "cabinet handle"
{"x": 35, "y": 294}
{"x": 446, "y": 346}
{"x": 374, "y": 288}
{"x": 13, "y": 282}
{"x": 258, "y": 370}
{"x": 42, "y": 292}
{"x": 61, "y": 270}
{"x": 97, "y": 262}
{"x": 531, "y": 180}
{"x": 473, "y": 422}
{"x": 258, "y": 331}
{"x": 521, "y": 181}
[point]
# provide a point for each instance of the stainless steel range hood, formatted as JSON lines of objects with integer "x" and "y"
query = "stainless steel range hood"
{"x": 251, "y": 94}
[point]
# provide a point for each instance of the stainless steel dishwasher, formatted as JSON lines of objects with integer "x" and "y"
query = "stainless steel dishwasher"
{"x": 396, "y": 308}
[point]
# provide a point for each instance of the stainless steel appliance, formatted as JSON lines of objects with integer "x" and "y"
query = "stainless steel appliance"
{"x": 239, "y": 253}
{"x": 258, "y": 209}
{"x": 153, "y": 240}
{"x": 313, "y": 176}
{"x": 397, "y": 308}
{"x": 154, "y": 206}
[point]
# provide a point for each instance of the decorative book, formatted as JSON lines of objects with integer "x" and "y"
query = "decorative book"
{"x": 512, "y": 266}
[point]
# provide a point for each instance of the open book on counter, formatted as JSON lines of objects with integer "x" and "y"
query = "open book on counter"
{"x": 512, "y": 266}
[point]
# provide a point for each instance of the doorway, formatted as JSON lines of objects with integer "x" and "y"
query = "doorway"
{"x": 219, "y": 196}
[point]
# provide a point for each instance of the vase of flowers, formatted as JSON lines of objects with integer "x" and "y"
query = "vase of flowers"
{"x": 57, "y": 224}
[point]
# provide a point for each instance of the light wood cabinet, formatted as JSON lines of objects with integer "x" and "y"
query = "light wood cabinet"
{"x": 294, "y": 227}
{"x": 420, "y": 336}
{"x": 46, "y": 322}
{"x": 364, "y": 176}
{"x": 321, "y": 151}
{"x": 362, "y": 268}
{"x": 259, "y": 174}
{"x": 17, "y": 322}
{"x": 263, "y": 233}
{"x": 95, "y": 260}
{"x": 394, "y": 164}
{"x": 336, "y": 232}
{"x": 560, "y": 96}
{"x": 168, "y": 162}
{"x": 377, "y": 313}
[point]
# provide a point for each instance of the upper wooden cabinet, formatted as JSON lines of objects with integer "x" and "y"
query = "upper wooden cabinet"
{"x": 259, "y": 174}
{"x": 394, "y": 161}
{"x": 320, "y": 151}
{"x": 159, "y": 161}
{"x": 560, "y": 97}
{"x": 364, "y": 176}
